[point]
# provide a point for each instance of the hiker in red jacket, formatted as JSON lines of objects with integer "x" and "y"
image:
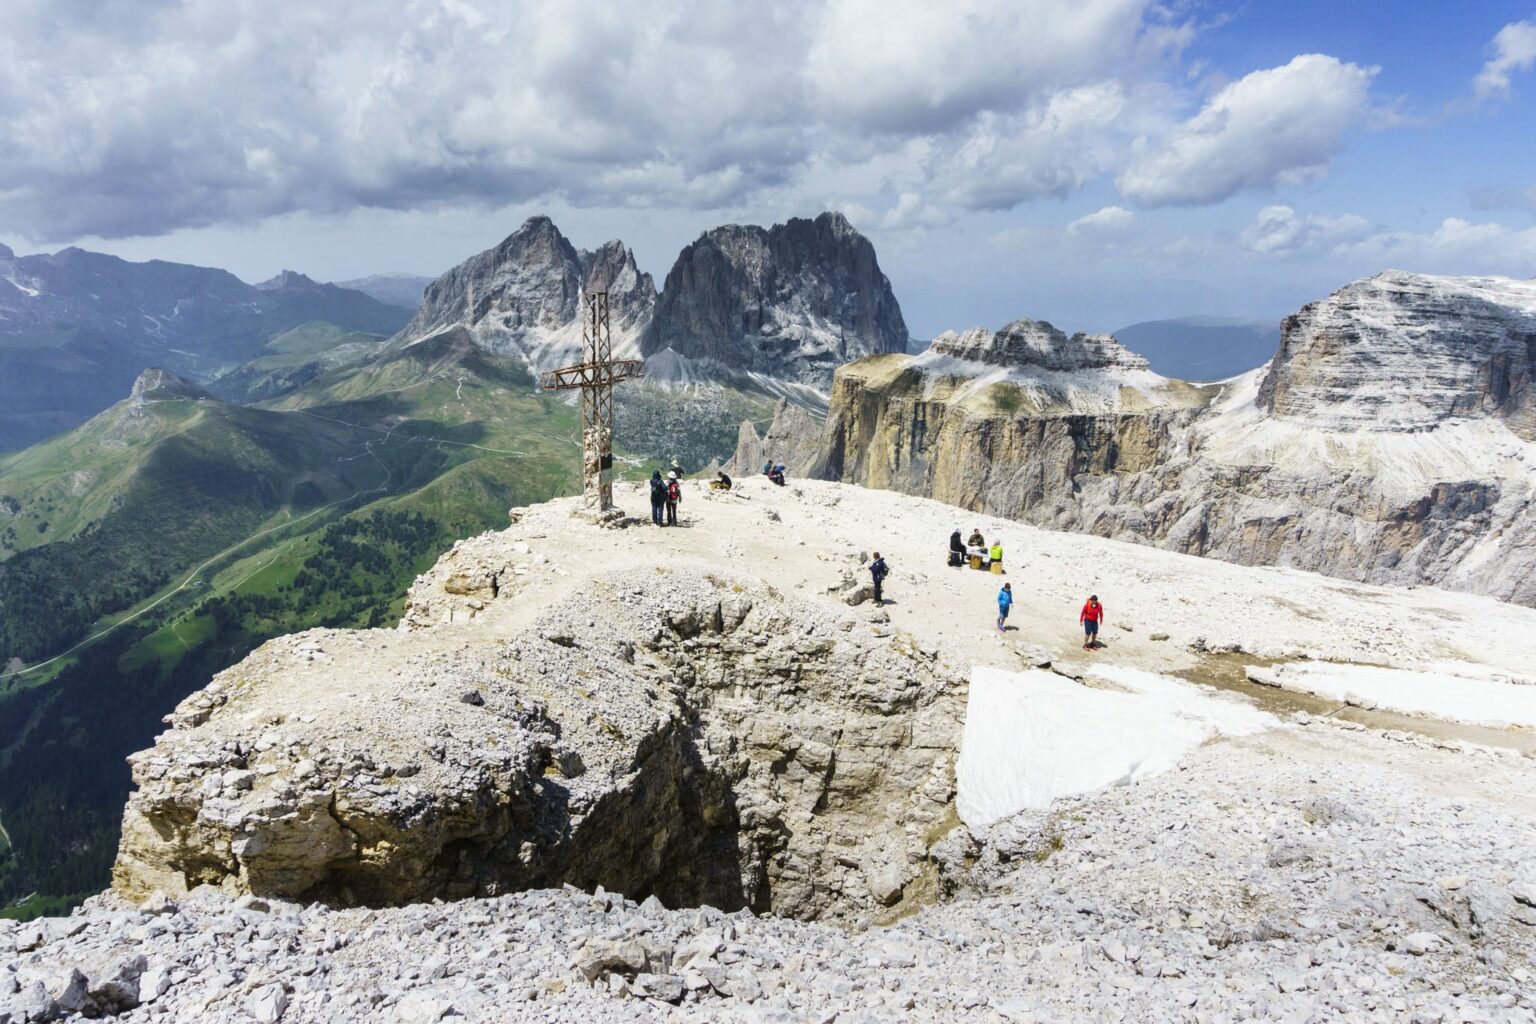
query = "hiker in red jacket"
{"x": 1092, "y": 615}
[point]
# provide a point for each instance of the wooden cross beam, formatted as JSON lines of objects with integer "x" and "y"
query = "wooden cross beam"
{"x": 595, "y": 376}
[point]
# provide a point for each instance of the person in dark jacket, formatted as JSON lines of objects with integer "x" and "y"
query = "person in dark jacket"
{"x": 956, "y": 550}
{"x": 878, "y": 571}
{"x": 658, "y": 497}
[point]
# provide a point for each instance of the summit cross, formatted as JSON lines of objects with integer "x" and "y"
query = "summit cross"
{"x": 595, "y": 376}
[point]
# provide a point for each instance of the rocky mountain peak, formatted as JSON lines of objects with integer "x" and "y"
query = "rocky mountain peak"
{"x": 612, "y": 269}
{"x": 1037, "y": 343}
{"x": 1401, "y": 351}
{"x": 6, "y": 253}
{"x": 524, "y": 296}
{"x": 792, "y": 301}
{"x": 287, "y": 279}
{"x": 155, "y": 384}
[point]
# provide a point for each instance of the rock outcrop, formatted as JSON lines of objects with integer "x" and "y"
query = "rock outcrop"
{"x": 790, "y": 302}
{"x": 793, "y": 439}
{"x": 1026, "y": 342}
{"x": 156, "y": 385}
{"x": 524, "y": 297}
{"x": 718, "y": 744}
{"x": 1388, "y": 442}
{"x": 1408, "y": 352}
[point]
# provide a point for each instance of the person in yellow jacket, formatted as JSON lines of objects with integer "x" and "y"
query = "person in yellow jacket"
{"x": 995, "y": 556}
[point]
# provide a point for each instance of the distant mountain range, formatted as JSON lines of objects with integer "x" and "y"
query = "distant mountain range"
{"x": 77, "y": 327}
{"x": 1202, "y": 347}
{"x": 403, "y": 290}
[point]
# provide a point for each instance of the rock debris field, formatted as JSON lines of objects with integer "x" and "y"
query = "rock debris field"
{"x": 696, "y": 775}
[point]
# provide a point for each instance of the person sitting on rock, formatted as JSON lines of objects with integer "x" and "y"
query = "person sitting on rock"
{"x": 956, "y": 549}
{"x": 722, "y": 481}
{"x": 777, "y": 476}
{"x": 768, "y": 468}
{"x": 977, "y": 540}
{"x": 995, "y": 556}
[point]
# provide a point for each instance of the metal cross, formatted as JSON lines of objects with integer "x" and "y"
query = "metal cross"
{"x": 595, "y": 376}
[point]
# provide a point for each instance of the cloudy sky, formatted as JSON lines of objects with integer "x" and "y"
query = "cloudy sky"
{"x": 1116, "y": 161}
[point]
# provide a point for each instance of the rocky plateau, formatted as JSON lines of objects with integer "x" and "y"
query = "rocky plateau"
{"x": 695, "y": 774}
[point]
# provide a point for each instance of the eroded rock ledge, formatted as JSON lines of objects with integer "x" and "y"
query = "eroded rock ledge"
{"x": 701, "y": 740}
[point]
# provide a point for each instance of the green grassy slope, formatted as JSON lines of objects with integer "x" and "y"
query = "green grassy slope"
{"x": 318, "y": 514}
{"x": 294, "y": 359}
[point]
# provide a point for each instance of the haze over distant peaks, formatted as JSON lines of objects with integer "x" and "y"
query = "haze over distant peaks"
{"x": 1203, "y": 347}
{"x": 395, "y": 289}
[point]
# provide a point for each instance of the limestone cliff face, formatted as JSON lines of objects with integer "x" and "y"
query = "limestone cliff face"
{"x": 792, "y": 301}
{"x": 1389, "y": 442}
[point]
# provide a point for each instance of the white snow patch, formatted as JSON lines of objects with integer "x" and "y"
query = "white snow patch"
{"x": 1477, "y": 696}
{"x": 30, "y": 291}
{"x": 1031, "y": 737}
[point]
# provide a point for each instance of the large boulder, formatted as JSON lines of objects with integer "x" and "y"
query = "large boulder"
{"x": 718, "y": 744}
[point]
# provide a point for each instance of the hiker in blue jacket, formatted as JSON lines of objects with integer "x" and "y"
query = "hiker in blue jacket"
{"x": 1004, "y": 602}
{"x": 878, "y": 571}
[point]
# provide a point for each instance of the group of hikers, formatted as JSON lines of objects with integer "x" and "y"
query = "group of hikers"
{"x": 980, "y": 555}
{"x": 665, "y": 495}
{"x": 974, "y": 550}
{"x": 667, "y": 492}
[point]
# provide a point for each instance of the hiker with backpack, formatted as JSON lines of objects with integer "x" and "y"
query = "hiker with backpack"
{"x": 1004, "y": 603}
{"x": 878, "y": 571}
{"x": 674, "y": 495}
{"x": 1091, "y": 617}
{"x": 658, "y": 497}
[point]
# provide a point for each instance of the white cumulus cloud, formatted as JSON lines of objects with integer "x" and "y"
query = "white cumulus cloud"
{"x": 1514, "y": 49}
{"x": 914, "y": 65}
{"x": 1110, "y": 218}
{"x": 1280, "y": 229}
{"x": 1272, "y": 128}
{"x": 1051, "y": 149}
{"x": 1457, "y": 246}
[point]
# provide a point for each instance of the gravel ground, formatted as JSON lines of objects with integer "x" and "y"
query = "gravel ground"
{"x": 1319, "y": 873}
